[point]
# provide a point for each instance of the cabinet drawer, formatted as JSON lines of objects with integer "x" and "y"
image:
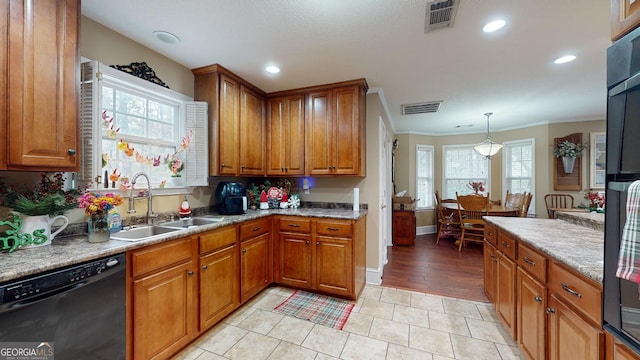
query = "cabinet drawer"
{"x": 217, "y": 239}
{"x": 254, "y": 228}
{"x": 490, "y": 234}
{"x": 299, "y": 225}
{"x": 507, "y": 245}
{"x": 532, "y": 262}
{"x": 334, "y": 228}
{"x": 158, "y": 256}
{"x": 578, "y": 291}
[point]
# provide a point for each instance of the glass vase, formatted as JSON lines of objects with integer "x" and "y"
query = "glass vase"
{"x": 99, "y": 228}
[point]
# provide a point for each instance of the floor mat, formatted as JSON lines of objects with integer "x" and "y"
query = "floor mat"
{"x": 319, "y": 309}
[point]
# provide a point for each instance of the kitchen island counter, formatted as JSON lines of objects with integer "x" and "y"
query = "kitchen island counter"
{"x": 579, "y": 247}
{"x": 70, "y": 250}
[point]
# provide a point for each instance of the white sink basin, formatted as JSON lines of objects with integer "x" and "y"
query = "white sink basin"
{"x": 142, "y": 233}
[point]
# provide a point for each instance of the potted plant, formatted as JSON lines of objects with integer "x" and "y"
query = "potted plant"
{"x": 40, "y": 206}
{"x": 569, "y": 151}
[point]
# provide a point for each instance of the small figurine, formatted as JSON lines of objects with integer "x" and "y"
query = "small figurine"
{"x": 185, "y": 209}
{"x": 284, "y": 202}
{"x": 264, "y": 205}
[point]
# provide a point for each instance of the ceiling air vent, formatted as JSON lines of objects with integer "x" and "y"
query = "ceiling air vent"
{"x": 421, "y": 108}
{"x": 440, "y": 15}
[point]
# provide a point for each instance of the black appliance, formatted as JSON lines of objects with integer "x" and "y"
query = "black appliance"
{"x": 621, "y": 306}
{"x": 79, "y": 309}
{"x": 231, "y": 198}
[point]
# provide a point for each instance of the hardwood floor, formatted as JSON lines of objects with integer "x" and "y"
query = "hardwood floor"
{"x": 436, "y": 269}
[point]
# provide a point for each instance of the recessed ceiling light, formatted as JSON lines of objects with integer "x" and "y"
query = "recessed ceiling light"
{"x": 565, "y": 59}
{"x": 272, "y": 69}
{"x": 494, "y": 26}
{"x": 166, "y": 37}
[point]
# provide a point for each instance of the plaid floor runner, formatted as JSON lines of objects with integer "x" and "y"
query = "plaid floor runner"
{"x": 319, "y": 309}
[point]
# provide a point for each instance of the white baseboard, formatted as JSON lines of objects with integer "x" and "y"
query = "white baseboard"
{"x": 374, "y": 276}
{"x": 429, "y": 229}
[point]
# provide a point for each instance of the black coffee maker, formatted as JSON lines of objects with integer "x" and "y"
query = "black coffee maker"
{"x": 231, "y": 198}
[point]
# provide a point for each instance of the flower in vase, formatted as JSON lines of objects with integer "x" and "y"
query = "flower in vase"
{"x": 176, "y": 166}
{"x": 98, "y": 204}
{"x": 476, "y": 186}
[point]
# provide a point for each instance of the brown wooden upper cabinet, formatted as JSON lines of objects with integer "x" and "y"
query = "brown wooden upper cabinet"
{"x": 39, "y": 63}
{"x": 285, "y": 135}
{"x": 625, "y": 16}
{"x": 335, "y": 130}
{"x": 237, "y": 122}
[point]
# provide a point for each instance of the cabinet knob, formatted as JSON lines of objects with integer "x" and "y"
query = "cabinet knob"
{"x": 538, "y": 299}
{"x": 550, "y": 311}
{"x": 190, "y": 273}
{"x": 286, "y": 169}
{"x": 71, "y": 151}
{"x": 282, "y": 169}
{"x": 317, "y": 242}
{"x": 244, "y": 251}
{"x": 222, "y": 165}
{"x": 307, "y": 242}
{"x": 504, "y": 244}
{"x": 204, "y": 267}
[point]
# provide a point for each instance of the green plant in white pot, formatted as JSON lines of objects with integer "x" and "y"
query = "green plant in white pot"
{"x": 568, "y": 152}
{"x": 39, "y": 207}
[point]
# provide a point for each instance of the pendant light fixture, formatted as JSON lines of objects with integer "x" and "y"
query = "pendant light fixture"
{"x": 488, "y": 147}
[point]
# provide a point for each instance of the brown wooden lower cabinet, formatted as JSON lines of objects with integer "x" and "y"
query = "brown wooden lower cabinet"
{"x": 490, "y": 271}
{"x": 570, "y": 336}
{"x": 163, "y": 295}
{"x": 178, "y": 289}
{"x": 506, "y": 292}
{"x": 617, "y": 350}
{"x": 325, "y": 255}
{"x": 531, "y": 316}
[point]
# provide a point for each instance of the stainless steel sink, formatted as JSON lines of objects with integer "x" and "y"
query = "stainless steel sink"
{"x": 142, "y": 233}
{"x": 193, "y": 222}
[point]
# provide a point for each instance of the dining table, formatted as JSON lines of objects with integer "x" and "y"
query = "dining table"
{"x": 494, "y": 210}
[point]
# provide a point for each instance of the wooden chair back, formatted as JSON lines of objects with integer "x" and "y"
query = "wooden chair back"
{"x": 472, "y": 207}
{"x": 514, "y": 200}
{"x": 555, "y": 201}
{"x": 525, "y": 204}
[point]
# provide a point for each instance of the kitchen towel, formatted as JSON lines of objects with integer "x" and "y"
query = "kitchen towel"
{"x": 629, "y": 258}
{"x": 319, "y": 309}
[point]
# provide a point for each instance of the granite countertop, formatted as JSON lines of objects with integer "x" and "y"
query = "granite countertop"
{"x": 71, "y": 250}
{"x": 593, "y": 220}
{"x": 579, "y": 247}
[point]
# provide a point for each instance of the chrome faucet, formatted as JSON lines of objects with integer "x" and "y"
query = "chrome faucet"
{"x": 132, "y": 208}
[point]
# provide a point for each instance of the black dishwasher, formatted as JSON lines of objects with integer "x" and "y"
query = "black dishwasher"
{"x": 79, "y": 309}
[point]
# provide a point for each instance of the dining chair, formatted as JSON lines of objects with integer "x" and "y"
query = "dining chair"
{"x": 525, "y": 204}
{"x": 514, "y": 200}
{"x": 557, "y": 201}
{"x": 448, "y": 223}
{"x": 471, "y": 208}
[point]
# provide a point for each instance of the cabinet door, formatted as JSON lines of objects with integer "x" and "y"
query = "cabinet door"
{"x": 295, "y": 260}
{"x": 219, "y": 286}
{"x": 490, "y": 271}
{"x": 254, "y": 266}
{"x": 334, "y": 265}
{"x": 228, "y": 127}
{"x": 252, "y": 133}
{"x": 404, "y": 227}
{"x": 345, "y": 152}
{"x": 570, "y": 336}
{"x": 320, "y": 133}
{"x": 285, "y": 135}
{"x": 506, "y": 293}
{"x": 163, "y": 312}
{"x": 43, "y": 78}
{"x": 531, "y": 316}
{"x": 625, "y": 16}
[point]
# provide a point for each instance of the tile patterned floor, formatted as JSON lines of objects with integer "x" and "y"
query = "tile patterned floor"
{"x": 386, "y": 323}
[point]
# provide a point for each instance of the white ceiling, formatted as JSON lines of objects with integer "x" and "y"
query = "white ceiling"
{"x": 510, "y": 72}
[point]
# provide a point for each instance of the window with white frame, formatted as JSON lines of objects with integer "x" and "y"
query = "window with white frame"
{"x": 424, "y": 176}
{"x": 462, "y": 165}
{"x": 129, "y": 125}
{"x": 518, "y": 167}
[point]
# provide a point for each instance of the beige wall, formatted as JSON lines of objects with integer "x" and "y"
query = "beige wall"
{"x": 111, "y": 48}
{"x": 544, "y": 136}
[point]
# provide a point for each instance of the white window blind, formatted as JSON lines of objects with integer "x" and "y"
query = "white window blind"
{"x": 129, "y": 125}
{"x": 424, "y": 176}
{"x": 518, "y": 167}
{"x": 462, "y": 165}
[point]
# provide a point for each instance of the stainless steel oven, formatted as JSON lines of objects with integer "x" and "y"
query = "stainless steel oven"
{"x": 80, "y": 309}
